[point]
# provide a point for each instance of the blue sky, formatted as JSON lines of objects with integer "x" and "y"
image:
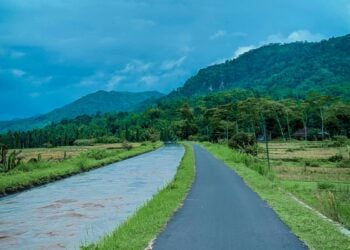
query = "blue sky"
{"x": 53, "y": 52}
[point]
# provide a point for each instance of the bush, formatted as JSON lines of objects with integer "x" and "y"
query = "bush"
{"x": 97, "y": 154}
{"x": 81, "y": 162}
{"x": 315, "y": 165}
{"x": 339, "y": 141}
{"x": 84, "y": 142}
{"x": 244, "y": 142}
{"x": 344, "y": 164}
{"x": 336, "y": 158}
{"x": 127, "y": 145}
{"x": 325, "y": 185}
{"x": 47, "y": 145}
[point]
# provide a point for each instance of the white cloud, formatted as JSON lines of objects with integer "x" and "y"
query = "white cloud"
{"x": 218, "y": 34}
{"x": 150, "y": 79}
{"x": 17, "y": 72}
{"x": 136, "y": 66}
{"x": 295, "y": 36}
{"x": 242, "y": 50}
{"x": 92, "y": 80}
{"x": 114, "y": 81}
{"x": 170, "y": 64}
{"x": 38, "y": 81}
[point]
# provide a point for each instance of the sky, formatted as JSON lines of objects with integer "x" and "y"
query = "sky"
{"x": 53, "y": 52}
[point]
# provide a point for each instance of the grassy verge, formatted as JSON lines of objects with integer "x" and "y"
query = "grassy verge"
{"x": 309, "y": 227}
{"x": 32, "y": 174}
{"x": 150, "y": 219}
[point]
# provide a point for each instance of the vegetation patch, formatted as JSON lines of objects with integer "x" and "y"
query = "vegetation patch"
{"x": 309, "y": 227}
{"x": 150, "y": 219}
{"x": 37, "y": 171}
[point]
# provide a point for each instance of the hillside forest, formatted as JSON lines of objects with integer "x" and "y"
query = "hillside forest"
{"x": 214, "y": 117}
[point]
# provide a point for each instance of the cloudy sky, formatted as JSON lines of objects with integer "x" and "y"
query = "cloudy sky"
{"x": 53, "y": 52}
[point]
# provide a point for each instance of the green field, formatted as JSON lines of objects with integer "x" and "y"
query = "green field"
{"x": 43, "y": 165}
{"x": 318, "y": 173}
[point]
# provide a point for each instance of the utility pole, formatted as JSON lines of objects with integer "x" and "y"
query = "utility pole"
{"x": 267, "y": 146}
{"x": 227, "y": 132}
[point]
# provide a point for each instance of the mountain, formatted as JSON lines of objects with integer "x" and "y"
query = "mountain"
{"x": 100, "y": 101}
{"x": 280, "y": 70}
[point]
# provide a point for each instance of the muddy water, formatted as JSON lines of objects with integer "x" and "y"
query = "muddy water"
{"x": 80, "y": 209}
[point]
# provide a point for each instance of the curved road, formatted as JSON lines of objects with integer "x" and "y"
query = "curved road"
{"x": 222, "y": 212}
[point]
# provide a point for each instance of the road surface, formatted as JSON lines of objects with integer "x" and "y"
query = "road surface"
{"x": 222, "y": 212}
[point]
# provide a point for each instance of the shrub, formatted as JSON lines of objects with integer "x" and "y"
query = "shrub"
{"x": 339, "y": 141}
{"x": 325, "y": 185}
{"x": 97, "y": 154}
{"x": 344, "y": 164}
{"x": 330, "y": 205}
{"x": 81, "y": 162}
{"x": 244, "y": 142}
{"x": 47, "y": 145}
{"x": 315, "y": 165}
{"x": 126, "y": 145}
{"x": 336, "y": 158}
{"x": 84, "y": 142}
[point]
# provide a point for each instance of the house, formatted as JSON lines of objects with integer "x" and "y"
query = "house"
{"x": 300, "y": 134}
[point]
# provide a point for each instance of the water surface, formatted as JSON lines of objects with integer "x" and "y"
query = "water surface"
{"x": 81, "y": 208}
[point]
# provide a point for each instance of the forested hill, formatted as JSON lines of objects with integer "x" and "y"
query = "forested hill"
{"x": 281, "y": 70}
{"x": 100, "y": 101}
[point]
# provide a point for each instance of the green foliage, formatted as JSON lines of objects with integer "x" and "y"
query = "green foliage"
{"x": 97, "y": 154}
{"x": 95, "y": 103}
{"x": 126, "y": 145}
{"x": 244, "y": 142}
{"x": 325, "y": 185}
{"x": 339, "y": 141}
{"x": 336, "y": 158}
{"x": 107, "y": 139}
{"x": 282, "y": 70}
{"x": 84, "y": 142}
{"x": 345, "y": 163}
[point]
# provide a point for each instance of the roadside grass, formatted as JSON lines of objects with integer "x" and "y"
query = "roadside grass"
{"x": 141, "y": 228}
{"x": 309, "y": 227}
{"x": 29, "y": 174}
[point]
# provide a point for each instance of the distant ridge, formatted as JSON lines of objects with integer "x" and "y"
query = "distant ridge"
{"x": 100, "y": 101}
{"x": 280, "y": 70}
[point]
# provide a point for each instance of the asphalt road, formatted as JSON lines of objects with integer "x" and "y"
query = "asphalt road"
{"x": 222, "y": 212}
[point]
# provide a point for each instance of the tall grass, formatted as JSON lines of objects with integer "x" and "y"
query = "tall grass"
{"x": 249, "y": 161}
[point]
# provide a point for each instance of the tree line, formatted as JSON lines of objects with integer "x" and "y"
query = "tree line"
{"x": 213, "y": 117}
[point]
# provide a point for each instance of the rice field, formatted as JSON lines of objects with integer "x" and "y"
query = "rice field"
{"x": 316, "y": 172}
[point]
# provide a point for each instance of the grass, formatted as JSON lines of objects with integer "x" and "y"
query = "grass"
{"x": 309, "y": 227}
{"x": 29, "y": 174}
{"x": 318, "y": 173}
{"x": 57, "y": 153}
{"x": 150, "y": 219}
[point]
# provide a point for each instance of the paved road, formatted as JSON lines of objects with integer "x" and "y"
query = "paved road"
{"x": 221, "y": 212}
